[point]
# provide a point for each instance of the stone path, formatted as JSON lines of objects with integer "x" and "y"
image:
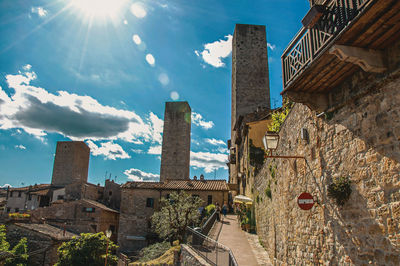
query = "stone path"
{"x": 245, "y": 247}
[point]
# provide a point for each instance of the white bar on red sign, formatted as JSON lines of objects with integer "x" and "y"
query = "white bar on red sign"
{"x": 306, "y": 201}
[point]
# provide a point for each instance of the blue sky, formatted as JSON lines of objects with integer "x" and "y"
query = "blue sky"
{"x": 73, "y": 70}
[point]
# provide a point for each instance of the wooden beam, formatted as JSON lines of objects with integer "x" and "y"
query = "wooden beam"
{"x": 315, "y": 101}
{"x": 368, "y": 59}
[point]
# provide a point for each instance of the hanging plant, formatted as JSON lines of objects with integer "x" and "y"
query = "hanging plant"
{"x": 340, "y": 190}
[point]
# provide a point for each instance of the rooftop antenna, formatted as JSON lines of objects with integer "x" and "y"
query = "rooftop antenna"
{"x": 115, "y": 179}
{"x": 105, "y": 177}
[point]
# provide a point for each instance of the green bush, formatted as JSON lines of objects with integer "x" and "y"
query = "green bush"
{"x": 340, "y": 190}
{"x": 154, "y": 251}
{"x": 268, "y": 192}
{"x": 210, "y": 209}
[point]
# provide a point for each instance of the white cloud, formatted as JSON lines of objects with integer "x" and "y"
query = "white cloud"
{"x": 198, "y": 120}
{"x": 139, "y": 175}
{"x": 214, "y": 52}
{"x": 174, "y": 95}
{"x": 164, "y": 79}
{"x": 39, "y": 10}
{"x": 27, "y": 67}
{"x": 136, "y": 39}
{"x": 125, "y": 22}
{"x": 21, "y": 147}
{"x": 209, "y": 161}
{"x": 5, "y": 186}
{"x": 38, "y": 112}
{"x": 138, "y": 151}
{"x": 271, "y": 46}
{"x": 156, "y": 150}
{"x": 138, "y": 10}
{"x": 216, "y": 142}
{"x": 150, "y": 59}
{"x": 109, "y": 150}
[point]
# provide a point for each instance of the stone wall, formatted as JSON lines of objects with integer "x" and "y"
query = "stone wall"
{"x": 175, "y": 155}
{"x": 112, "y": 194}
{"x": 35, "y": 242}
{"x": 359, "y": 139}
{"x": 190, "y": 257}
{"x": 71, "y": 163}
{"x": 134, "y": 222}
{"x": 250, "y": 78}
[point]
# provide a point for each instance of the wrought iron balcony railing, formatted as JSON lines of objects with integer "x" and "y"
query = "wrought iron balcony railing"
{"x": 310, "y": 42}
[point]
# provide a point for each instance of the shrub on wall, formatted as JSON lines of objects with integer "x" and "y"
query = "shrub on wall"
{"x": 279, "y": 116}
{"x": 340, "y": 190}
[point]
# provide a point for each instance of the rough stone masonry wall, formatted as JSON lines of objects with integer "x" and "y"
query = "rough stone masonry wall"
{"x": 360, "y": 141}
{"x": 175, "y": 154}
{"x": 250, "y": 79}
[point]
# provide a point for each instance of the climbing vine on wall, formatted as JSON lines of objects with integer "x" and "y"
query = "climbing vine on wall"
{"x": 279, "y": 116}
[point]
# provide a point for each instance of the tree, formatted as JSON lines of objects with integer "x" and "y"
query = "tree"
{"x": 176, "y": 213}
{"x": 18, "y": 255}
{"x": 88, "y": 249}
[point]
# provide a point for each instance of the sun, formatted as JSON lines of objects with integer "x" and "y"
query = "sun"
{"x": 99, "y": 8}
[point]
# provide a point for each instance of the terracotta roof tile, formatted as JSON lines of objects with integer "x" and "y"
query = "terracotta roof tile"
{"x": 99, "y": 205}
{"x": 46, "y": 229}
{"x": 208, "y": 185}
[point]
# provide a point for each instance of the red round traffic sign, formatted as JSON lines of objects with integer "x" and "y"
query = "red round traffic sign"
{"x": 305, "y": 201}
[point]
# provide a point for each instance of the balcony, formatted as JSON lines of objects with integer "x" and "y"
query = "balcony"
{"x": 339, "y": 38}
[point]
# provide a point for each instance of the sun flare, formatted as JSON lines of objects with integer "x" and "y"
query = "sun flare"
{"x": 99, "y": 8}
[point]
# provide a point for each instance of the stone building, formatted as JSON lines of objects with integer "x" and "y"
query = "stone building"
{"x": 175, "y": 154}
{"x": 79, "y": 216}
{"x": 250, "y": 97}
{"x": 346, "y": 123}
{"x": 27, "y": 198}
{"x": 247, "y": 151}
{"x": 43, "y": 241}
{"x": 71, "y": 163}
{"x": 139, "y": 200}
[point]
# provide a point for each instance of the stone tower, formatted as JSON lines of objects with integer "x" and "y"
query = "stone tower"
{"x": 250, "y": 78}
{"x": 71, "y": 163}
{"x": 175, "y": 157}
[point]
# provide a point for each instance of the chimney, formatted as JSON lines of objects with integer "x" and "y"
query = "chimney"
{"x": 195, "y": 178}
{"x": 202, "y": 177}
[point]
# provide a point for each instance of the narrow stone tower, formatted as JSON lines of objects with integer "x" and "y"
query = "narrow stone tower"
{"x": 71, "y": 163}
{"x": 250, "y": 77}
{"x": 175, "y": 157}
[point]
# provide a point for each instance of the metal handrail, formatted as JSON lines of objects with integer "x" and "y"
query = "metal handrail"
{"x": 233, "y": 261}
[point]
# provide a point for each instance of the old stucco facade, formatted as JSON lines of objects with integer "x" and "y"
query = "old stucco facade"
{"x": 359, "y": 138}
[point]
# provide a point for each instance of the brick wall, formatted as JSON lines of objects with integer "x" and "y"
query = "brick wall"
{"x": 359, "y": 139}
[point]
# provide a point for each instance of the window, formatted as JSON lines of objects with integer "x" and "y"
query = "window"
{"x": 11, "y": 194}
{"x": 110, "y": 193}
{"x": 150, "y": 202}
{"x": 19, "y": 194}
{"x": 29, "y": 196}
{"x": 16, "y": 209}
{"x": 60, "y": 197}
{"x": 112, "y": 228}
{"x": 209, "y": 199}
{"x": 8, "y": 209}
{"x": 88, "y": 209}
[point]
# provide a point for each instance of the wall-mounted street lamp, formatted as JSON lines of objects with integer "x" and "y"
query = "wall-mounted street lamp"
{"x": 271, "y": 141}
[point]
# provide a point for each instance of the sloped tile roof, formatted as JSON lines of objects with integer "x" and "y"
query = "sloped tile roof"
{"x": 208, "y": 185}
{"x": 99, "y": 205}
{"x": 32, "y": 188}
{"x": 46, "y": 229}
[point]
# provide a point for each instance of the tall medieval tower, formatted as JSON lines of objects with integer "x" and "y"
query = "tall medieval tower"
{"x": 71, "y": 163}
{"x": 175, "y": 157}
{"x": 250, "y": 78}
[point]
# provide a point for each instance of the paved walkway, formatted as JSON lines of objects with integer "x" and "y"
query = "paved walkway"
{"x": 245, "y": 247}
